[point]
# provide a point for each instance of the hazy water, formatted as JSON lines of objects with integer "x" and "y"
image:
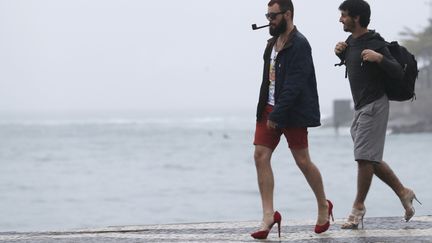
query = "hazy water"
{"x": 72, "y": 174}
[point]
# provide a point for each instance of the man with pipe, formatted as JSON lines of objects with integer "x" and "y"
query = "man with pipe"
{"x": 288, "y": 105}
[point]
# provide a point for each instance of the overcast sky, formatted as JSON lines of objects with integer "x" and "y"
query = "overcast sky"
{"x": 169, "y": 56}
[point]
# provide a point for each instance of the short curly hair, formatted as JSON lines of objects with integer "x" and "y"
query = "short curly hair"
{"x": 357, "y": 8}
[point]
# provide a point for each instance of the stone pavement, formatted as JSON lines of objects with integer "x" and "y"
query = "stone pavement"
{"x": 389, "y": 229}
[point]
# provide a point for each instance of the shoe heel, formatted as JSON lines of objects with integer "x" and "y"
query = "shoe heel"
{"x": 417, "y": 200}
{"x": 330, "y": 210}
{"x": 279, "y": 228}
{"x": 361, "y": 220}
{"x": 278, "y": 220}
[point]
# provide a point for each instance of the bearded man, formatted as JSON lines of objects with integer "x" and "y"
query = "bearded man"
{"x": 288, "y": 105}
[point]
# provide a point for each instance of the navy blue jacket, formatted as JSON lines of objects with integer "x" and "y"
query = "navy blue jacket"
{"x": 296, "y": 96}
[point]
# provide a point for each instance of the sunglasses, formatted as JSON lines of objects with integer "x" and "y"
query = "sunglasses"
{"x": 272, "y": 16}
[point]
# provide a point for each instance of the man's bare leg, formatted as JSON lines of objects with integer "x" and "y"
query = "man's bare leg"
{"x": 364, "y": 179}
{"x": 406, "y": 195}
{"x": 385, "y": 173}
{"x": 314, "y": 179}
{"x": 262, "y": 158}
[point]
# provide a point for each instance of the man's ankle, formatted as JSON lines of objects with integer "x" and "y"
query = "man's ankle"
{"x": 359, "y": 206}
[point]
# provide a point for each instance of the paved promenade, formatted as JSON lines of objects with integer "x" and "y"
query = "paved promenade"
{"x": 389, "y": 229}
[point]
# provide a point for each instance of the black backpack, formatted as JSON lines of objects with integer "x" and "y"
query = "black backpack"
{"x": 402, "y": 89}
{"x": 399, "y": 89}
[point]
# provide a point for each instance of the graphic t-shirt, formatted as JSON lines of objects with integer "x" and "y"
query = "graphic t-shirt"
{"x": 272, "y": 77}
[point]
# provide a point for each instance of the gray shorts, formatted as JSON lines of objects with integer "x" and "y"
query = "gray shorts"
{"x": 368, "y": 130}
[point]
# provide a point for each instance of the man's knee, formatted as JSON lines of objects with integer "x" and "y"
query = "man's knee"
{"x": 303, "y": 162}
{"x": 366, "y": 165}
{"x": 262, "y": 155}
{"x": 301, "y": 157}
{"x": 362, "y": 162}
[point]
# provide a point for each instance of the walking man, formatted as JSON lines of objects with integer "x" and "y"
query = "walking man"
{"x": 288, "y": 105}
{"x": 367, "y": 60}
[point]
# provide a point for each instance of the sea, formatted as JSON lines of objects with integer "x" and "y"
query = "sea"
{"x": 62, "y": 173}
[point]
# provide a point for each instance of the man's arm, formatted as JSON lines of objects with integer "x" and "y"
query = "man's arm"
{"x": 385, "y": 60}
{"x": 390, "y": 65}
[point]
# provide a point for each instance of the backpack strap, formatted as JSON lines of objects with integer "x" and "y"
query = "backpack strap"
{"x": 342, "y": 62}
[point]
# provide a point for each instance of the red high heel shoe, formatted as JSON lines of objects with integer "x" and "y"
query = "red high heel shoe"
{"x": 262, "y": 234}
{"x": 323, "y": 228}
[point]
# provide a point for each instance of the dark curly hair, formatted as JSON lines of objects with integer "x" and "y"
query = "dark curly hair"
{"x": 357, "y": 8}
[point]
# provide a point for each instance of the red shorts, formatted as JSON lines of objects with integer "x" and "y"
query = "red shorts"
{"x": 297, "y": 137}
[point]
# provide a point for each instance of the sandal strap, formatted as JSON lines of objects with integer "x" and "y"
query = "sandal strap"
{"x": 355, "y": 217}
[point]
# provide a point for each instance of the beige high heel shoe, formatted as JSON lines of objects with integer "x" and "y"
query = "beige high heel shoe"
{"x": 407, "y": 203}
{"x": 354, "y": 219}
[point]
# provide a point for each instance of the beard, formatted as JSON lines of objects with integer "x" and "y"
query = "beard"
{"x": 278, "y": 29}
{"x": 349, "y": 26}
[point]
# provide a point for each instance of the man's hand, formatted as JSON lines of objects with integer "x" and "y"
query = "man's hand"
{"x": 368, "y": 55}
{"x": 271, "y": 124}
{"x": 340, "y": 47}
